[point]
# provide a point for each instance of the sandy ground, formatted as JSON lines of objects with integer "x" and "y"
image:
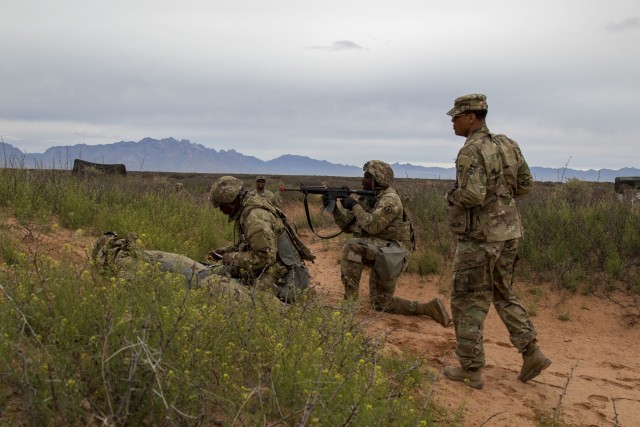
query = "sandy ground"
{"x": 594, "y": 379}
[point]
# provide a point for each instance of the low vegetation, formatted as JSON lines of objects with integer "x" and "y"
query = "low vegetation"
{"x": 82, "y": 348}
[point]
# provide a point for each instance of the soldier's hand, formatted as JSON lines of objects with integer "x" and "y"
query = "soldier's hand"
{"x": 348, "y": 202}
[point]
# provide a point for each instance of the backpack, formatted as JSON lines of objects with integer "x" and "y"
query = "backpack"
{"x": 512, "y": 159}
{"x": 111, "y": 252}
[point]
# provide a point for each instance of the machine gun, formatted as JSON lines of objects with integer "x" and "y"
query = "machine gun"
{"x": 332, "y": 194}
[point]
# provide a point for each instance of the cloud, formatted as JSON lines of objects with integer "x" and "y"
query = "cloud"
{"x": 339, "y": 45}
{"x": 629, "y": 24}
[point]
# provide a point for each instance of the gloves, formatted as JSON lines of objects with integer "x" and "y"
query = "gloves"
{"x": 348, "y": 202}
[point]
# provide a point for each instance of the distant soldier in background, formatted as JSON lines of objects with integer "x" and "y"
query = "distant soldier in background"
{"x": 490, "y": 173}
{"x": 267, "y": 251}
{"x": 261, "y": 181}
{"x": 383, "y": 241}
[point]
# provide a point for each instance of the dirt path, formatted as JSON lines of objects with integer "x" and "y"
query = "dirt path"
{"x": 594, "y": 379}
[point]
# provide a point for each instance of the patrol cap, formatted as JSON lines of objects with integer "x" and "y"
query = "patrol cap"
{"x": 381, "y": 172}
{"x": 472, "y": 102}
{"x": 260, "y": 178}
{"x": 224, "y": 190}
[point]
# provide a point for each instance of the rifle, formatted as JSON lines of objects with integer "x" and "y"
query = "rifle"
{"x": 332, "y": 194}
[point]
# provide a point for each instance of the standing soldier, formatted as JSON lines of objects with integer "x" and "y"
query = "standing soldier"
{"x": 267, "y": 251}
{"x": 382, "y": 240}
{"x": 490, "y": 173}
{"x": 262, "y": 192}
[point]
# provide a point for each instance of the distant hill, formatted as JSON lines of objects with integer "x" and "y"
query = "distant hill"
{"x": 172, "y": 155}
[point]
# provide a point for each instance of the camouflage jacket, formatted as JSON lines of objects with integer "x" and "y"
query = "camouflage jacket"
{"x": 267, "y": 194}
{"x": 257, "y": 230}
{"x": 382, "y": 218}
{"x": 482, "y": 192}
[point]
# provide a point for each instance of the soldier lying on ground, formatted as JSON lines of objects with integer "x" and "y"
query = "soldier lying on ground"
{"x": 121, "y": 255}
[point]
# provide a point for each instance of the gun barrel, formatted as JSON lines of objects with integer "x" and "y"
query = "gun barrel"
{"x": 320, "y": 189}
{"x": 307, "y": 189}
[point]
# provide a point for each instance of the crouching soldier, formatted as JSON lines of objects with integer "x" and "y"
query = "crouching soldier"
{"x": 267, "y": 251}
{"x": 382, "y": 240}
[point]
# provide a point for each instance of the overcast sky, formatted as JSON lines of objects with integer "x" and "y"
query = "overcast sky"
{"x": 338, "y": 80}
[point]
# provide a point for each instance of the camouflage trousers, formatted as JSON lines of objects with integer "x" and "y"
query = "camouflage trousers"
{"x": 193, "y": 271}
{"x": 483, "y": 273}
{"x": 359, "y": 253}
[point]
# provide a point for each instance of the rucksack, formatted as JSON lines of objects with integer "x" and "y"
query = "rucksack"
{"x": 512, "y": 158}
{"x": 110, "y": 251}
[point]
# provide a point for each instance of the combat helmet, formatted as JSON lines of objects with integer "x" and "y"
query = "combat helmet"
{"x": 381, "y": 172}
{"x": 225, "y": 190}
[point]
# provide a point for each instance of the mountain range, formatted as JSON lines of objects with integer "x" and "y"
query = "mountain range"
{"x": 172, "y": 155}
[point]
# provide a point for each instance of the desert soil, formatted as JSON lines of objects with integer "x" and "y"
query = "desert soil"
{"x": 594, "y": 379}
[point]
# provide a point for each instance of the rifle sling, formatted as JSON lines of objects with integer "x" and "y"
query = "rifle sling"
{"x": 306, "y": 211}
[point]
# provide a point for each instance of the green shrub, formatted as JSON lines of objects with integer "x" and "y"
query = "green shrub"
{"x": 82, "y": 348}
{"x": 424, "y": 262}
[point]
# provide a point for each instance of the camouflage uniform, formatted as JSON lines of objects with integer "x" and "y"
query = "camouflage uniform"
{"x": 267, "y": 194}
{"x": 382, "y": 240}
{"x": 263, "y": 253}
{"x": 121, "y": 256}
{"x": 484, "y": 216}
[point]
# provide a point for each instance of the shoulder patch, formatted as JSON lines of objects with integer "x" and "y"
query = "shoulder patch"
{"x": 463, "y": 167}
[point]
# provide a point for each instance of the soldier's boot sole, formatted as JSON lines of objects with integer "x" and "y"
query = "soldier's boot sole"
{"x": 471, "y": 379}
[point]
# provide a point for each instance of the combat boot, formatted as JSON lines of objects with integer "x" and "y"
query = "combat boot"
{"x": 471, "y": 378}
{"x": 534, "y": 362}
{"x": 436, "y": 310}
